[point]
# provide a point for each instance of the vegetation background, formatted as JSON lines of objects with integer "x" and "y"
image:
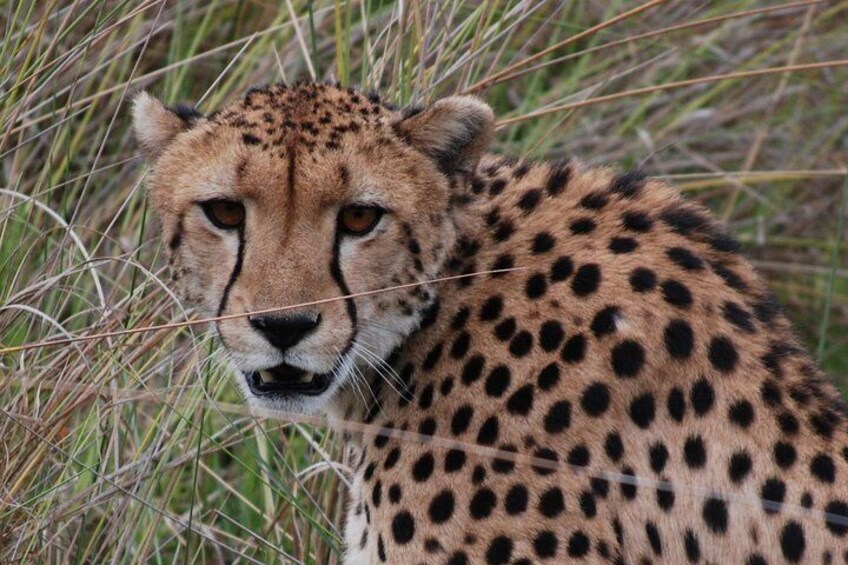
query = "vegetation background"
{"x": 124, "y": 448}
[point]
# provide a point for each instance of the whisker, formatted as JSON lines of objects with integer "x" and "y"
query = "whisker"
{"x": 175, "y": 325}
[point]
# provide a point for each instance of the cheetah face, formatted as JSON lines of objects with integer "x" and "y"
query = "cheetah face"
{"x": 277, "y": 205}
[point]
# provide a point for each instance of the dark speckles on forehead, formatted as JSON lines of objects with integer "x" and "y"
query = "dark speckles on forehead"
{"x": 308, "y": 115}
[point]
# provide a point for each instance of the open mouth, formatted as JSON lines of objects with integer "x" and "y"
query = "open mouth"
{"x": 287, "y": 380}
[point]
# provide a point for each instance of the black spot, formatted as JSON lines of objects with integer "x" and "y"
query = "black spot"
{"x": 628, "y": 488}
{"x": 394, "y": 493}
{"x": 423, "y": 467}
{"x": 823, "y": 469}
{"x": 642, "y": 280}
{"x": 695, "y": 452}
{"x": 741, "y": 413}
{"x": 425, "y": 399}
{"x": 427, "y": 427}
{"x": 391, "y": 459}
{"x": 730, "y": 278}
{"x": 381, "y": 548}
{"x": 536, "y": 286}
{"x": 715, "y": 515}
{"x": 504, "y": 230}
{"x": 739, "y": 466}
{"x": 658, "y": 456}
{"x": 723, "y": 355}
{"x": 595, "y": 399}
{"x": 693, "y": 548}
{"x": 503, "y": 262}
{"x": 482, "y": 503}
{"x": 788, "y": 423}
{"x": 653, "y": 535}
{"x": 738, "y": 316}
{"x": 773, "y": 492}
{"x": 784, "y": 454}
{"x": 460, "y": 345}
{"x": 679, "y": 339}
{"x": 558, "y": 179}
{"x": 561, "y": 269}
{"x": 530, "y": 200}
{"x": 543, "y": 242}
{"x": 683, "y": 219}
{"x": 587, "y": 504}
{"x": 643, "y": 410}
{"x": 497, "y": 186}
{"x": 578, "y": 544}
{"x": 685, "y": 259}
{"x": 628, "y": 358}
{"x": 441, "y": 507}
{"x": 502, "y": 464}
{"x": 454, "y": 460}
{"x": 594, "y": 201}
{"x": 613, "y": 447}
{"x": 676, "y": 404}
{"x": 545, "y": 544}
{"x": 516, "y": 500}
{"x": 621, "y": 245}
{"x": 665, "y": 498}
{"x": 838, "y": 523}
{"x": 702, "y": 397}
{"x": 676, "y": 293}
{"x": 548, "y": 377}
{"x": 792, "y": 542}
{"x": 770, "y": 393}
{"x": 521, "y": 401}
{"x": 460, "y": 318}
{"x": 574, "y": 349}
{"x": 637, "y": 221}
{"x": 579, "y": 456}
{"x": 500, "y": 551}
{"x": 488, "y": 433}
{"x": 505, "y": 329}
{"x": 756, "y": 559}
{"x": 551, "y": 335}
{"x": 551, "y": 503}
{"x": 604, "y": 321}
{"x": 498, "y": 381}
{"x": 582, "y": 226}
{"x": 250, "y": 139}
{"x": 629, "y": 184}
{"x": 432, "y": 358}
{"x": 544, "y": 453}
{"x": 473, "y": 369}
{"x": 521, "y": 344}
{"x": 461, "y": 419}
{"x": 586, "y": 280}
{"x": 492, "y": 308}
{"x": 403, "y": 527}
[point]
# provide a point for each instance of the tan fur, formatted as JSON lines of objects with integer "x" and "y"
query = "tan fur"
{"x": 743, "y": 386}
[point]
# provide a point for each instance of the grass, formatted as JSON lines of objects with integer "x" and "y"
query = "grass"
{"x": 127, "y": 448}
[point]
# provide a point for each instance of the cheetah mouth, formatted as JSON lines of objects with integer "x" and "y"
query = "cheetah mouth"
{"x": 287, "y": 380}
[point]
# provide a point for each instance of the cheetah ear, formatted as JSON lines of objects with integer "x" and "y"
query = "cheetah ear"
{"x": 454, "y": 132}
{"x": 156, "y": 125}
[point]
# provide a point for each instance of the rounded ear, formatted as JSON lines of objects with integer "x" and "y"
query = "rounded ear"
{"x": 156, "y": 125}
{"x": 455, "y": 132}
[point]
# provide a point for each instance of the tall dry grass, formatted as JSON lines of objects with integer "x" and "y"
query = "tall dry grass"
{"x": 122, "y": 448}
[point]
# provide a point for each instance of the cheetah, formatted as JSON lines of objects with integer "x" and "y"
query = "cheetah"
{"x": 595, "y": 320}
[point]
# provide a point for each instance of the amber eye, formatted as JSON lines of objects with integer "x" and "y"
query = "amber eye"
{"x": 225, "y": 214}
{"x": 358, "y": 219}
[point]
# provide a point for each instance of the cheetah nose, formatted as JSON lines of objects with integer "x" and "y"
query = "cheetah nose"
{"x": 284, "y": 332}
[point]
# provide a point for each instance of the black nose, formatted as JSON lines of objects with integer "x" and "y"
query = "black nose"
{"x": 284, "y": 332}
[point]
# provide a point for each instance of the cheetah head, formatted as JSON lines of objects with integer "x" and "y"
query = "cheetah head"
{"x": 295, "y": 195}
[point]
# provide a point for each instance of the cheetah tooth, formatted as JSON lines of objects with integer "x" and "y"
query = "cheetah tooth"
{"x": 266, "y": 377}
{"x": 307, "y": 378}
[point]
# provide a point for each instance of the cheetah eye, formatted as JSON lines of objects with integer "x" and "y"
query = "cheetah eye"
{"x": 225, "y": 214}
{"x": 359, "y": 219}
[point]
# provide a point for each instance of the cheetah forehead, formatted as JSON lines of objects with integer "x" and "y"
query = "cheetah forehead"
{"x": 310, "y": 116}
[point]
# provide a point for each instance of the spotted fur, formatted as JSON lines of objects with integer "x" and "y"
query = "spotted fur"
{"x": 630, "y": 338}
